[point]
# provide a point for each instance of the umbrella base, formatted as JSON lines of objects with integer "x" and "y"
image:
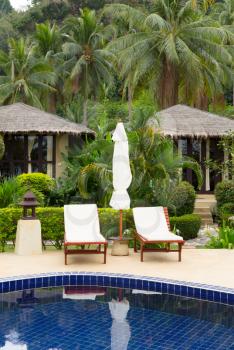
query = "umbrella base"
{"x": 120, "y": 247}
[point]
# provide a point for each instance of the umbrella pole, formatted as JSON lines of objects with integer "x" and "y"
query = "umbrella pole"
{"x": 120, "y": 224}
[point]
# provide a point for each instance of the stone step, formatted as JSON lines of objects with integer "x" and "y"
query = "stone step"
{"x": 203, "y": 205}
{"x": 206, "y": 222}
{"x": 202, "y": 210}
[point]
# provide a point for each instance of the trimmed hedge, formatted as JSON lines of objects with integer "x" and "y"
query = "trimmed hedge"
{"x": 52, "y": 224}
{"x": 188, "y": 225}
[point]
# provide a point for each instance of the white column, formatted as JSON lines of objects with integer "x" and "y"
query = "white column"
{"x": 226, "y": 158}
{"x": 207, "y": 167}
{"x": 180, "y": 153}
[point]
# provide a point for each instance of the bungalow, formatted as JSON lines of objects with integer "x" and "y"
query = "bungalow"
{"x": 198, "y": 134}
{"x": 35, "y": 140}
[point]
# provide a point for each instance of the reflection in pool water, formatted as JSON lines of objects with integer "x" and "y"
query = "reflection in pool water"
{"x": 98, "y": 318}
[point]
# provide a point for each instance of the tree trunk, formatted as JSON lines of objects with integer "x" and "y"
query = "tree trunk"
{"x": 202, "y": 101}
{"x": 169, "y": 85}
{"x": 52, "y": 102}
{"x": 85, "y": 116}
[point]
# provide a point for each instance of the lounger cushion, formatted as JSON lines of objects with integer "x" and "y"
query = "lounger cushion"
{"x": 82, "y": 223}
{"x": 151, "y": 224}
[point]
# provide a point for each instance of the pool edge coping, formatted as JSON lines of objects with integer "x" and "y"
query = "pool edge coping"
{"x": 195, "y": 290}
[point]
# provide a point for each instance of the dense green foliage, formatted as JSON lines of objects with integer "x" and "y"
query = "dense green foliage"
{"x": 37, "y": 181}
{"x": 183, "y": 198}
{"x": 5, "y": 6}
{"x": 52, "y": 224}
{"x": 224, "y": 240}
{"x": 224, "y": 193}
{"x": 63, "y": 50}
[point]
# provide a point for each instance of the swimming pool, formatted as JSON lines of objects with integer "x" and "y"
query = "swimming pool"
{"x": 99, "y": 317}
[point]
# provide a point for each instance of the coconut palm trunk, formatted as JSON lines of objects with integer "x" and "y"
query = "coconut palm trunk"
{"x": 168, "y": 94}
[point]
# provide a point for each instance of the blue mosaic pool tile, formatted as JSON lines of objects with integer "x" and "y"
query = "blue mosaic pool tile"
{"x": 230, "y": 299}
{"x": 223, "y": 298}
{"x": 113, "y": 281}
{"x": 203, "y": 294}
{"x": 190, "y": 292}
{"x": 80, "y": 279}
{"x": 197, "y": 293}
{"x": 126, "y": 283}
{"x": 93, "y": 280}
{"x": 52, "y": 281}
{"x": 12, "y": 286}
{"x": 164, "y": 288}
{"x": 186, "y": 289}
{"x": 73, "y": 280}
{"x": 100, "y": 281}
{"x": 58, "y": 281}
{"x": 19, "y": 284}
{"x": 177, "y": 289}
{"x": 139, "y": 284}
{"x": 26, "y": 284}
{"x": 145, "y": 285}
{"x": 106, "y": 281}
{"x": 217, "y": 296}
{"x": 210, "y": 295}
{"x": 66, "y": 280}
{"x": 119, "y": 282}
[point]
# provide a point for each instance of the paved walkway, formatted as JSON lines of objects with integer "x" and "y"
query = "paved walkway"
{"x": 208, "y": 266}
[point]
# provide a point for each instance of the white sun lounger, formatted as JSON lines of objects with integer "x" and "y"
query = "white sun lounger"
{"x": 153, "y": 227}
{"x": 82, "y": 228}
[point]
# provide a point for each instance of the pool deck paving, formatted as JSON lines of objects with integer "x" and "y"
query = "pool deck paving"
{"x": 208, "y": 266}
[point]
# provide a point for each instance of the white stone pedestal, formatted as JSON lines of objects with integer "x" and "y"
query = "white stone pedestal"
{"x": 28, "y": 237}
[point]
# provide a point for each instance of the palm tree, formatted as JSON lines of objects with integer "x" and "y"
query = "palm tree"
{"x": 48, "y": 44}
{"x": 89, "y": 61}
{"x": 176, "y": 47}
{"x": 224, "y": 13}
{"x": 24, "y": 76}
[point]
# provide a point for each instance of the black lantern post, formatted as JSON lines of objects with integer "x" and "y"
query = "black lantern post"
{"x": 29, "y": 203}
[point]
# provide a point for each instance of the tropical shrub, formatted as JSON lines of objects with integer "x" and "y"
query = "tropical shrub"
{"x": 188, "y": 225}
{"x": 224, "y": 193}
{"x": 226, "y": 211}
{"x": 38, "y": 181}
{"x": 183, "y": 198}
{"x": 224, "y": 240}
{"x": 12, "y": 192}
{"x": 52, "y": 224}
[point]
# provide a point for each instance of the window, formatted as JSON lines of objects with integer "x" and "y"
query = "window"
{"x": 33, "y": 153}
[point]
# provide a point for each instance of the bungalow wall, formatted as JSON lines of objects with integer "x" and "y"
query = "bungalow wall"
{"x": 34, "y": 153}
{"x": 204, "y": 151}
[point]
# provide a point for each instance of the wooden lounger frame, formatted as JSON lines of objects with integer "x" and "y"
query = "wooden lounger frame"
{"x": 68, "y": 251}
{"x": 167, "y": 249}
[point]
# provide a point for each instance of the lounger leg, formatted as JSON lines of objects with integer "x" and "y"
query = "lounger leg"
{"x": 135, "y": 245}
{"x": 105, "y": 250}
{"x": 65, "y": 256}
{"x": 142, "y": 251}
{"x": 180, "y": 249}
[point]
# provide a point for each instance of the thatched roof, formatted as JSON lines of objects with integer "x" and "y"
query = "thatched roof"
{"x": 20, "y": 118}
{"x": 181, "y": 120}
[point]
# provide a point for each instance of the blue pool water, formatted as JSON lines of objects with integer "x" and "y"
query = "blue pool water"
{"x": 98, "y": 318}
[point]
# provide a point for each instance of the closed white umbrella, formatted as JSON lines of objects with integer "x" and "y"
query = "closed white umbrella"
{"x": 122, "y": 176}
